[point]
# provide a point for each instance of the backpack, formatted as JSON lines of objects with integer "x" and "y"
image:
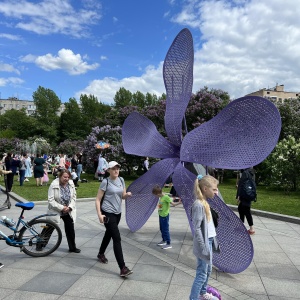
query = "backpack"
{"x": 248, "y": 188}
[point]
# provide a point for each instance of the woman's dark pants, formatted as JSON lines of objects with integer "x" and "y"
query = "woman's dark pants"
{"x": 112, "y": 232}
{"x": 70, "y": 231}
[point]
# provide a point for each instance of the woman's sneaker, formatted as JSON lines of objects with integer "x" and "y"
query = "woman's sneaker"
{"x": 162, "y": 243}
{"x": 102, "y": 258}
{"x": 1, "y": 265}
{"x": 125, "y": 272}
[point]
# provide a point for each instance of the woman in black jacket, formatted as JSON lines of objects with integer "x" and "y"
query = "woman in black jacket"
{"x": 244, "y": 204}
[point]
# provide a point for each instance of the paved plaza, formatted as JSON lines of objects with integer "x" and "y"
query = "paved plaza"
{"x": 157, "y": 274}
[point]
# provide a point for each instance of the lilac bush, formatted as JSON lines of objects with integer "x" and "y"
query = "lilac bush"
{"x": 70, "y": 147}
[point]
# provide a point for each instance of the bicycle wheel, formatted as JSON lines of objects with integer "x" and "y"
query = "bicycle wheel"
{"x": 40, "y": 239}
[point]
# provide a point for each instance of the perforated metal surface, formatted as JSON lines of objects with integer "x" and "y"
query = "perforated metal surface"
{"x": 142, "y": 203}
{"x": 178, "y": 79}
{"x": 236, "y": 245}
{"x": 242, "y": 135}
{"x": 140, "y": 137}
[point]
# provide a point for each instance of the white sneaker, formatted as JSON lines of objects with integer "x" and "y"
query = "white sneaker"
{"x": 167, "y": 246}
{"x": 208, "y": 296}
{"x": 1, "y": 265}
{"x": 26, "y": 179}
{"x": 162, "y": 243}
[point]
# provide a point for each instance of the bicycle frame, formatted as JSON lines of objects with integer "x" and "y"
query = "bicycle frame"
{"x": 12, "y": 240}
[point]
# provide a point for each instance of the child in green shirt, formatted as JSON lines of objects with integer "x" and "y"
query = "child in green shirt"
{"x": 164, "y": 212}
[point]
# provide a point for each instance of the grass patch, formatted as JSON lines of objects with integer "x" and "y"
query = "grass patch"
{"x": 268, "y": 199}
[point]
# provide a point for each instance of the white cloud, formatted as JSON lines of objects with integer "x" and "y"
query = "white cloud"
{"x": 51, "y": 16}
{"x": 14, "y": 81}
{"x": 10, "y": 37}
{"x": 240, "y": 46}
{"x": 245, "y": 47}
{"x": 105, "y": 89}
{"x": 8, "y": 68}
{"x": 65, "y": 60}
{"x": 103, "y": 57}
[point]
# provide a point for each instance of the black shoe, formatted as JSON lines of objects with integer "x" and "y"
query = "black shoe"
{"x": 125, "y": 272}
{"x": 1, "y": 265}
{"x": 76, "y": 250}
{"x": 102, "y": 258}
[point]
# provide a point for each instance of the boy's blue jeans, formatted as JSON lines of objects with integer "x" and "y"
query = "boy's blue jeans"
{"x": 202, "y": 274}
{"x": 164, "y": 229}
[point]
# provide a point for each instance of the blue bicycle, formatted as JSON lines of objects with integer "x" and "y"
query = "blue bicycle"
{"x": 39, "y": 237}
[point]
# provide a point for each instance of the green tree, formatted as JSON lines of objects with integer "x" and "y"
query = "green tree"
{"x": 47, "y": 112}
{"x": 72, "y": 125}
{"x": 138, "y": 99}
{"x": 16, "y": 123}
{"x": 122, "y": 98}
{"x": 290, "y": 117}
{"x": 282, "y": 166}
{"x": 151, "y": 99}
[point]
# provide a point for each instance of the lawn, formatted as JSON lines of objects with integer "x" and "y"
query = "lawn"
{"x": 268, "y": 199}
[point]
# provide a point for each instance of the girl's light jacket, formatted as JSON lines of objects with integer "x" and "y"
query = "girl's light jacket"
{"x": 53, "y": 201}
{"x": 200, "y": 240}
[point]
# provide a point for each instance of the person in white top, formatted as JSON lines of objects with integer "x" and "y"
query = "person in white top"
{"x": 204, "y": 233}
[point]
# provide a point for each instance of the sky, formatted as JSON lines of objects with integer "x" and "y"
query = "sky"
{"x": 76, "y": 47}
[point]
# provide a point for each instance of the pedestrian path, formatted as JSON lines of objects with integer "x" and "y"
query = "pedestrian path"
{"x": 157, "y": 274}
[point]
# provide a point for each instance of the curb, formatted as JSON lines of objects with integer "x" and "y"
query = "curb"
{"x": 256, "y": 212}
{"x": 269, "y": 215}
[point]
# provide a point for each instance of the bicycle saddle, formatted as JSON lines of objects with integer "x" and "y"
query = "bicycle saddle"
{"x": 26, "y": 206}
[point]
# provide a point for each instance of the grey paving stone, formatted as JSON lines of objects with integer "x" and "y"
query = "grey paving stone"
{"x": 8, "y": 278}
{"x": 92, "y": 287}
{"x": 72, "y": 298}
{"x": 272, "y": 257}
{"x": 144, "y": 290}
{"x": 281, "y": 298}
{"x": 178, "y": 292}
{"x": 149, "y": 259}
{"x": 181, "y": 278}
{"x": 243, "y": 283}
{"x": 50, "y": 283}
{"x": 280, "y": 287}
{"x": 151, "y": 273}
{"x": 278, "y": 271}
{"x": 37, "y": 263}
{"x": 110, "y": 270}
{"x": 24, "y": 295}
{"x": 72, "y": 265}
{"x": 258, "y": 297}
{"x": 5, "y": 292}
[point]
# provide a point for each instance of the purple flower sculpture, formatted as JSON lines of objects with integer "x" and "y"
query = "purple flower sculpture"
{"x": 242, "y": 135}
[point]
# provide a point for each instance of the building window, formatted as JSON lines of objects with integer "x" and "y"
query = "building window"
{"x": 297, "y": 95}
{"x": 268, "y": 92}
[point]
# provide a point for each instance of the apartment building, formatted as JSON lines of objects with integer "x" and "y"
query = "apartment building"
{"x": 276, "y": 93}
{"x": 15, "y": 103}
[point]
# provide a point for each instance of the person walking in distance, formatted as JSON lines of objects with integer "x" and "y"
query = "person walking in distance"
{"x": 243, "y": 200}
{"x": 109, "y": 209}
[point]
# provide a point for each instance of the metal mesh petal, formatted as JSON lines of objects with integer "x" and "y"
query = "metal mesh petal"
{"x": 235, "y": 242}
{"x": 178, "y": 79}
{"x": 242, "y": 135}
{"x": 142, "y": 203}
{"x": 140, "y": 137}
